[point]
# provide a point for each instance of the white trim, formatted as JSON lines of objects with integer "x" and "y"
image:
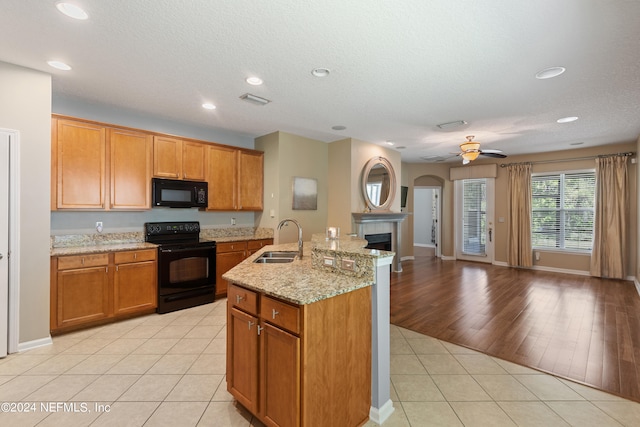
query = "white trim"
{"x": 30, "y": 345}
{"x": 380, "y": 415}
{"x": 14, "y": 241}
{"x": 425, "y": 245}
{"x": 447, "y": 258}
{"x": 635, "y": 282}
{"x": 408, "y": 258}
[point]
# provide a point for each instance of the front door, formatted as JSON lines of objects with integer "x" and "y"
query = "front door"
{"x": 474, "y": 219}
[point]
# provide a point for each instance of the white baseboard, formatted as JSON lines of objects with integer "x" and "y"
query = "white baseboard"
{"x": 408, "y": 258}
{"x": 447, "y": 258}
{"x": 30, "y": 345}
{"x": 425, "y": 245}
{"x": 380, "y": 415}
{"x": 635, "y": 282}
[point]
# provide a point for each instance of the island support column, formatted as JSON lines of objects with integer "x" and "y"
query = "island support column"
{"x": 381, "y": 404}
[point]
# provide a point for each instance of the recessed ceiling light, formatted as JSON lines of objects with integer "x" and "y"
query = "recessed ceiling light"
{"x": 72, "y": 10}
{"x": 338, "y": 127}
{"x": 567, "y": 120}
{"x": 59, "y": 65}
{"x": 320, "y": 72}
{"x": 551, "y": 72}
{"x": 208, "y": 106}
{"x": 254, "y": 81}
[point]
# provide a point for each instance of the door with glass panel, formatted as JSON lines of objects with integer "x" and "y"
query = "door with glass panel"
{"x": 474, "y": 228}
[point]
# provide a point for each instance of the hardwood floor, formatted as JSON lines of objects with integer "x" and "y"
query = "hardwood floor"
{"x": 576, "y": 327}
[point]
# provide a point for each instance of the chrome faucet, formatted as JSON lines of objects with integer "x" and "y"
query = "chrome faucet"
{"x": 283, "y": 222}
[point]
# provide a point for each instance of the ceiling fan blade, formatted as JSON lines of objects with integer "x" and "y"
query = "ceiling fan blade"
{"x": 496, "y": 155}
{"x": 491, "y": 151}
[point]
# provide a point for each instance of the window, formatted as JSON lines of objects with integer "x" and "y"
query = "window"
{"x": 474, "y": 212}
{"x": 563, "y": 210}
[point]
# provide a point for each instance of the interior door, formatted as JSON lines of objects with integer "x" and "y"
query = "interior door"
{"x": 4, "y": 242}
{"x": 474, "y": 219}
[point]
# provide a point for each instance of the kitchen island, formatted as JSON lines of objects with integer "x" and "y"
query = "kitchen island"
{"x": 299, "y": 335}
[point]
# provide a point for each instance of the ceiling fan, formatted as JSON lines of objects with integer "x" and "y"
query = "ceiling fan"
{"x": 470, "y": 151}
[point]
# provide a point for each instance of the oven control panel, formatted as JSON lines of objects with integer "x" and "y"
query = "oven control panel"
{"x": 168, "y": 228}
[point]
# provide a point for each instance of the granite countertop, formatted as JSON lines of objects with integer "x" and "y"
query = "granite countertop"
{"x": 101, "y": 248}
{"x": 303, "y": 281}
{"x": 78, "y": 244}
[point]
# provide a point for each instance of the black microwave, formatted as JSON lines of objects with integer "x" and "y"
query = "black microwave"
{"x": 174, "y": 193}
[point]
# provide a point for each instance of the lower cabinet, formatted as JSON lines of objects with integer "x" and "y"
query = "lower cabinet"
{"x": 300, "y": 365}
{"x": 230, "y": 254}
{"x": 92, "y": 289}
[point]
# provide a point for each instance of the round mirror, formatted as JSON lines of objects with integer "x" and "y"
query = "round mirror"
{"x": 378, "y": 184}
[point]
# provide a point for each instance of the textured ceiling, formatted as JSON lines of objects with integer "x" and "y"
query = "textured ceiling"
{"x": 398, "y": 68}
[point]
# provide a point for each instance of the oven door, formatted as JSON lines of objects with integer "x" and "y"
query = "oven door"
{"x": 184, "y": 268}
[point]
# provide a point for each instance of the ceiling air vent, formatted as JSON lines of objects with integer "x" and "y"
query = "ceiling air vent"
{"x": 254, "y": 99}
{"x": 452, "y": 125}
{"x": 434, "y": 159}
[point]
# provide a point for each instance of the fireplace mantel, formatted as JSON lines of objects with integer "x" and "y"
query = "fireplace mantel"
{"x": 395, "y": 218}
{"x": 365, "y": 217}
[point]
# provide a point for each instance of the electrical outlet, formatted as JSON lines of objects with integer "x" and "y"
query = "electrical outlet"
{"x": 233, "y": 221}
{"x": 99, "y": 226}
{"x": 348, "y": 264}
{"x": 329, "y": 261}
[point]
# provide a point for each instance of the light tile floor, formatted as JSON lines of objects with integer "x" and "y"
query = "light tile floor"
{"x": 169, "y": 370}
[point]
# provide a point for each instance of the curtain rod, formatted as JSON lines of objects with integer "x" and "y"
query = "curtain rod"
{"x": 627, "y": 154}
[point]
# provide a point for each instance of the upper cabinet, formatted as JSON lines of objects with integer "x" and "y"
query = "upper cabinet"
{"x": 97, "y": 166}
{"x": 177, "y": 159}
{"x": 130, "y": 169}
{"x": 80, "y": 169}
{"x": 235, "y": 178}
{"x": 100, "y": 168}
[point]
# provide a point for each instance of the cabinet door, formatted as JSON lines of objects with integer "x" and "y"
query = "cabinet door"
{"x": 280, "y": 377}
{"x": 222, "y": 178}
{"x": 225, "y": 262}
{"x": 167, "y": 157}
{"x": 242, "y": 358}
{"x": 193, "y": 161}
{"x": 130, "y": 169}
{"x": 83, "y": 296}
{"x": 135, "y": 287}
{"x": 81, "y": 149}
{"x": 251, "y": 181}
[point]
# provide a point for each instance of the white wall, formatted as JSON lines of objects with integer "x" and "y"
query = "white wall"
{"x": 25, "y": 106}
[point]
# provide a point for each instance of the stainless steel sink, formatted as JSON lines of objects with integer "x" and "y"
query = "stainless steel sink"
{"x": 276, "y": 257}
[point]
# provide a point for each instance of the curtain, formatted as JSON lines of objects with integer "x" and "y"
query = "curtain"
{"x": 610, "y": 221}
{"x": 519, "y": 207}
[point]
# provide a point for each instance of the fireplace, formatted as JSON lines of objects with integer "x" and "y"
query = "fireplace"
{"x": 381, "y": 241}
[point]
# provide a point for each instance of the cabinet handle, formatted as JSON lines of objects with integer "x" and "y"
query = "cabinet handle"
{"x": 238, "y": 299}
{"x": 117, "y": 268}
{"x": 106, "y": 270}
{"x": 274, "y": 313}
{"x": 135, "y": 256}
{"x": 260, "y": 328}
{"x": 251, "y": 324}
{"x": 82, "y": 261}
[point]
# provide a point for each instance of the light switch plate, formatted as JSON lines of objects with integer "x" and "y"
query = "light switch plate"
{"x": 348, "y": 264}
{"x": 329, "y": 261}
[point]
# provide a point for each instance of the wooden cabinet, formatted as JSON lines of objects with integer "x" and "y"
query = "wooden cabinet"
{"x": 178, "y": 159}
{"x": 300, "y": 365}
{"x": 251, "y": 181}
{"x": 130, "y": 169}
{"x": 230, "y": 254}
{"x": 82, "y": 292}
{"x": 135, "y": 283}
{"x": 80, "y": 170}
{"x": 236, "y": 179}
{"x": 96, "y": 288}
{"x": 97, "y": 167}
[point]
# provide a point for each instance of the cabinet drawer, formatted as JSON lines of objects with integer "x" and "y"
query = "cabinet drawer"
{"x": 258, "y": 244}
{"x": 135, "y": 256}
{"x": 231, "y": 247}
{"x": 280, "y": 313}
{"x": 81, "y": 261}
{"x": 243, "y": 298}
